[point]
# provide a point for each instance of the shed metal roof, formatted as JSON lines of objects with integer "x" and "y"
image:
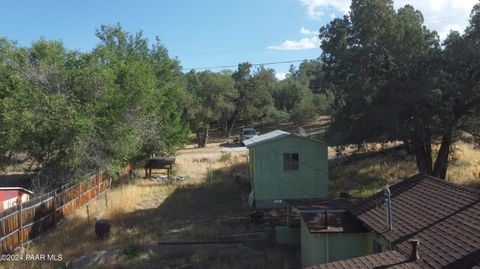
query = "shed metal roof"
{"x": 268, "y": 137}
{"x": 272, "y": 136}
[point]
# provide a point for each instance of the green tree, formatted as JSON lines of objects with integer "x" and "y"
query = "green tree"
{"x": 297, "y": 94}
{"x": 38, "y": 115}
{"x": 254, "y": 101}
{"x": 73, "y": 114}
{"x": 385, "y": 67}
{"x": 212, "y": 97}
{"x": 142, "y": 99}
{"x": 310, "y": 73}
{"x": 460, "y": 89}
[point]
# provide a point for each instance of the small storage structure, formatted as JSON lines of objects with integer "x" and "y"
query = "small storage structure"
{"x": 286, "y": 166}
{"x": 11, "y": 196}
{"x": 159, "y": 163}
{"x": 328, "y": 232}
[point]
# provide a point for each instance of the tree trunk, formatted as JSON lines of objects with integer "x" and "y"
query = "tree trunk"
{"x": 225, "y": 129}
{"x": 408, "y": 147}
{"x": 423, "y": 155}
{"x": 231, "y": 126}
{"x": 202, "y": 137}
{"x": 206, "y": 136}
{"x": 441, "y": 163}
{"x": 199, "y": 136}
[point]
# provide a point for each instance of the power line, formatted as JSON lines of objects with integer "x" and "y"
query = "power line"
{"x": 255, "y": 64}
{"x": 228, "y": 47}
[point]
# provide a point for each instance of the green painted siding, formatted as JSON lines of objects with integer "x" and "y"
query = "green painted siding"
{"x": 311, "y": 250}
{"x": 348, "y": 245}
{"x": 385, "y": 245}
{"x": 287, "y": 235}
{"x": 328, "y": 247}
{"x": 271, "y": 182}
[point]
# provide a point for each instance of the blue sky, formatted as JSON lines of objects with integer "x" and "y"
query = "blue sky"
{"x": 205, "y": 33}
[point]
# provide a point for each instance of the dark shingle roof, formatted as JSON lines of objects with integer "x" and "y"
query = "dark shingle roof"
{"x": 389, "y": 259}
{"x": 445, "y": 217}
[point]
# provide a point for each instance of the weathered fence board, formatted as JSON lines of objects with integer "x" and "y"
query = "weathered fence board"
{"x": 32, "y": 218}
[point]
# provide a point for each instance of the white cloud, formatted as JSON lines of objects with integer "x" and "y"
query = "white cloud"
{"x": 440, "y": 15}
{"x": 302, "y": 44}
{"x": 306, "y": 31}
{"x": 316, "y": 8}
{"x": 280, "y": 75}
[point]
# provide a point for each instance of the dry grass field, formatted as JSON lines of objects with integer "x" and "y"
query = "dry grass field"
{"x": 210, "y": 204}
{"x": 365, "y": 177}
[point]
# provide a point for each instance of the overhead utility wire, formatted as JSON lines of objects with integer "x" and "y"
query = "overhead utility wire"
{"x": 237, "y": 46}
{"x": 255, "y": 64}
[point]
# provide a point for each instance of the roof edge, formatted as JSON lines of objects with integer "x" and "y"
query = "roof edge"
{"x": 16, "y": 188}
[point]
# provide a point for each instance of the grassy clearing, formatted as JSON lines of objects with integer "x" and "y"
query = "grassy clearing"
{"x": 465, "y": 165}
{"x": 197, "y": 166}
{"x": 211, "y": 203}
{"x": 365, "y": 177}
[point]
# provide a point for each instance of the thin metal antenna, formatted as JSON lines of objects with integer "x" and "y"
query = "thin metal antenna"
{"x": 388, "y": 201}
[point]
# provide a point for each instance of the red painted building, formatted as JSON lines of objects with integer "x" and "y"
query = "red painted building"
{"x": 11, "y": 196}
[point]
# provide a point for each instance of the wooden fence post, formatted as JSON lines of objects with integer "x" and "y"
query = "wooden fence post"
{"x": 20, "y": 232}
{"x": 4, "y": 244}
{"x": 88, "y": 216}
{"x": 106, "y": 201}
{"x": 55, "y": 208}
{"x": 63, "y": 231}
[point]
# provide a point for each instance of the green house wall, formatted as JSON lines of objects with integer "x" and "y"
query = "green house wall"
{"x": 287, "y": 235}
{"x": 271, "y": 183}
{"x": 328, "y": 247}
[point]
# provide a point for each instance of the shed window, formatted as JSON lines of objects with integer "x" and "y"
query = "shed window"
{"x": 290, "y": 161}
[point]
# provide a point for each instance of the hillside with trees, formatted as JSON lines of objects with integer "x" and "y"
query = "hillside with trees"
{"x": 71, "y": 114}
{"x": 399, "y": 82}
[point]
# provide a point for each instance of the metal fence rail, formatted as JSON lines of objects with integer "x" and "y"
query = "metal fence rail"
{"x": 32, "y": 218}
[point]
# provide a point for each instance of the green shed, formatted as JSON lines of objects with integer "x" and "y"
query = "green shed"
{"x": 327, "y": 232}
{"x": 286, "y": 166}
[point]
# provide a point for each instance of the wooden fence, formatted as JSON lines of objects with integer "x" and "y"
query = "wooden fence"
{"x": 27, "y": 220}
